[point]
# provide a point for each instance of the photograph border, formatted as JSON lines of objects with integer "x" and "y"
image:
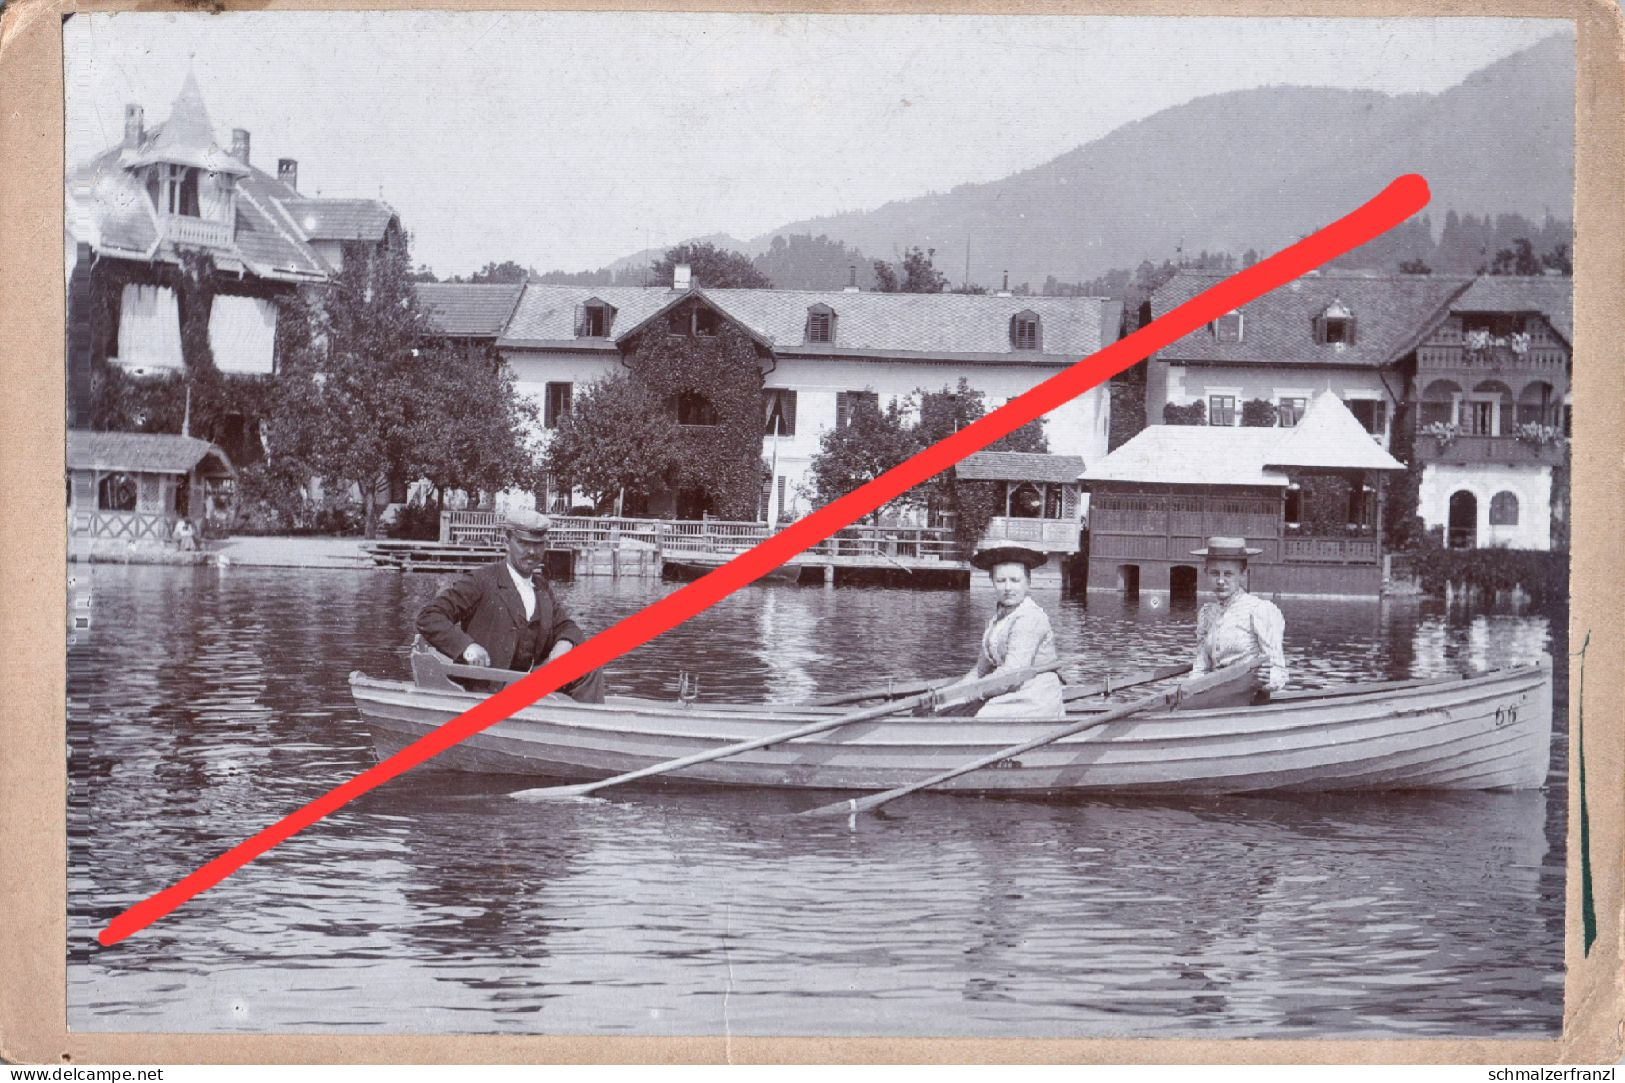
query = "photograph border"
{"x": 33, "y": 792}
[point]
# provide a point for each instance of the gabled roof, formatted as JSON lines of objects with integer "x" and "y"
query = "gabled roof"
{"x": 1020, "y": 466}
{"x": 1552, "y": 296}
{"x": 1391, "y": 314}
{"x": 341, "y": 219}
{"x": 466, "y": 309}
{"x": 939, "y": 325}
{"x": 1327, "y": 438}
{"x": 141, "y": 452}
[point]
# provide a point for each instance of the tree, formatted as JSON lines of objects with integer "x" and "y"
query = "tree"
{"x": 804, "y": 262}
{"x": 1520, "y": 259}
{"x": 506, "y": 271}
{"x": 1258, "y": 414}
{"x": 617, "y": 437}
{"x": 917, "y": 274}
{"x": 424, "y": 273}
{"x": 869, "y": 444}
{"x": 1415, "y": 267}
{"x": 717, "y": 268}
{"x": 359, "y": 398}
{"x": 1558, "y": 260}
{"x": 477, "y": 436}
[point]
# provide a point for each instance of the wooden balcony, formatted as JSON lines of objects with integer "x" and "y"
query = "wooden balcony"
{"x": 1490, "y": 360}
{"x": 197, "y": 232}
{"x": 1311, "y": 549}
{"x": 1475, "y": 450}
{"x": 1050, "y": 535}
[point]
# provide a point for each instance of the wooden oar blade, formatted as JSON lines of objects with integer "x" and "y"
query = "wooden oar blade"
{"x": 556, "y": 793}
{"x": 851, "y": 806}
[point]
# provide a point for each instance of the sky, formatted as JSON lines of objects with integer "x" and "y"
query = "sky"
{"x": 567, "y": 140}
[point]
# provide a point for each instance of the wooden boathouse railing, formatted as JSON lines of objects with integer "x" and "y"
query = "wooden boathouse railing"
{"x": 675, "y": 538}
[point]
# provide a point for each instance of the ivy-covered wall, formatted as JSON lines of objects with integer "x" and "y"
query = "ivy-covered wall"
{"x": 124, "y": 402}
{"x": 724, "y": 459}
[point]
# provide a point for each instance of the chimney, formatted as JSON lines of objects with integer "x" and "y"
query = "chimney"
{"x": 287, "y": 171}
{"x": 134, "y": 132}
{"x": 851, "y": 279}
{"x": 682, "y": 277}
{"x": 239, "y": 144}
{"x": 1004, "y": 291}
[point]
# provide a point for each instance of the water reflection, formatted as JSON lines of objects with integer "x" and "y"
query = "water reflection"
{"x": 206, "y": 704}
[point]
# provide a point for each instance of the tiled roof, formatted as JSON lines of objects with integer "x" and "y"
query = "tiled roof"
{"x": 1019, "y": 466}
{"x": 1552, "y": 296}
{"x": 1327, "y": 437}
{"x": 547, "y": 314}
{"x": 186, "y": 138}
{"x": 469, "y": 309}
{"x": 341, "y": 219}
{"x": 139, "y": 452}
{"x": 111, "y": 206}
{"x": 268, "y": 240}
{"x": 1391, "y": 314}
{"x": 937, "y": 324}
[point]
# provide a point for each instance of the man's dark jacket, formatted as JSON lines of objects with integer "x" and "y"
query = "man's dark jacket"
{"x": 484, "y": 607}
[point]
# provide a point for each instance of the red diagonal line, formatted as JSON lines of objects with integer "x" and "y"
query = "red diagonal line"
{"x": 1400, "y": 200}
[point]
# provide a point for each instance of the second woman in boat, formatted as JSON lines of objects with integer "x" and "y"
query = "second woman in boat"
{"x": 1237, "y": 624}
{"x": 1017, "y": 636}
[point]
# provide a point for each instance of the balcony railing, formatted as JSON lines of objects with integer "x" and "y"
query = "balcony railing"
{"x": 1475, "y": 450}
{"x": 1538, "y": 357}
{"x": 1050, "y": 535}
{"x": 1329, "y": 550}
{"x": 203, "y": 232}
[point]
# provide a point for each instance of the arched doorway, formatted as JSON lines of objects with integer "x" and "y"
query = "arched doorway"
{"x": 1462, "y": 531}
{"x": 1128, "y": 580}
{"x": 1182, "y": 583}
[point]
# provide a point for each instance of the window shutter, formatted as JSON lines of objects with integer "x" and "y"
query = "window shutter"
{"x": 1350, "y": 333}
{"x": 1320, "y": 330}
{"x": 787, "y": 405}
{"x": 843, "y": 410}
{"x": 579, "y": 314}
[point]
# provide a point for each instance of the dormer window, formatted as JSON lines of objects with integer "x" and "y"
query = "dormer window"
{"x": 1335, "y": 326}
{"x": 1025, "y": 333}
{"x": 594, "y": 319}
{"x": 820, "y": 324}
{"x": 1227, "y": 328}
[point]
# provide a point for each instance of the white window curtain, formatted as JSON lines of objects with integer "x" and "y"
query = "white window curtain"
{"x": 214, "y": 196}
{"x": 149, "y": 328}
{"x": 242, "y": 334}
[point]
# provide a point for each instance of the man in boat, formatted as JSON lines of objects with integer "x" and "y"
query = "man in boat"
{"x": 1237, "y": 624}
{"x": 1017, "y": 636}
{"x": 504, "y": 614}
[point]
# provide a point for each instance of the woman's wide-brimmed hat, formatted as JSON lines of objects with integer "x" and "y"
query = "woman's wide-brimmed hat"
{"x": 527, "y": 525}
{"x": 1009, "y": 553}
{"x": 1227, "y": 549}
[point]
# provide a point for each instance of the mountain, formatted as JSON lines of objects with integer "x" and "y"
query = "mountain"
{"x": 1247, "y": 169}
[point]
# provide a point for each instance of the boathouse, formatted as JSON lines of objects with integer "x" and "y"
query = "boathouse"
{"x": 134, "y": 487}
{"x": 1038, "y": 498}
{"x": 1156, "y": 498}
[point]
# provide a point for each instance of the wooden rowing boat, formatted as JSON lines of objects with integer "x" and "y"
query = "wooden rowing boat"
{"x": 1484, "y": 731}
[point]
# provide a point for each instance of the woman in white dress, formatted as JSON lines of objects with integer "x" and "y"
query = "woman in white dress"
{"x": 1018, "y": 636}
{"x": 1238, "y": 624}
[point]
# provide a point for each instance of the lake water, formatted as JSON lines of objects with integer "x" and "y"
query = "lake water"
{"x": 205, "y": 703}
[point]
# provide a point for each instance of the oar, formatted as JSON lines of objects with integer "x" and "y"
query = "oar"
{"x": 1172, "y": 697}
{"x": 897, "y": 686}
{"x": 894, "y": 686}
{"x": 982, "y": 689}
{"x": 1075, "y": 692}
